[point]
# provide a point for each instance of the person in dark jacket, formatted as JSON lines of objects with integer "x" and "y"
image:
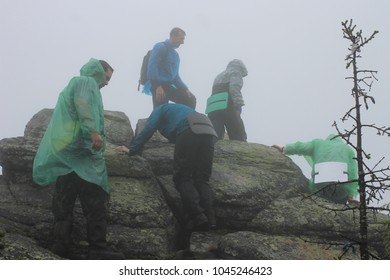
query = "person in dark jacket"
{"x": 194, "y": 138}
{"x": 228, "y": 117}
{"x": 163, "y": 79}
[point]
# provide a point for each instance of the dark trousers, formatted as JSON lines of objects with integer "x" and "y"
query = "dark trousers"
{"x": 175, "y": 95}
{"x": 332, "y": 191}
{"x": 193, "y": 160}
{"x": 230, "y": 120}
{"x": 94, "y": 203}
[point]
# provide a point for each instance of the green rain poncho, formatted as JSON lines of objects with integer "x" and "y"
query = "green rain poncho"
{"x": 329, "y": 153}
{"x": 66, "y": 146}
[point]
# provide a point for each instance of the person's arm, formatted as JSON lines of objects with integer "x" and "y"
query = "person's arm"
{"x": 235, "y": 85}
{"x": 279, "y": 148}
{"x": 86, "y": 102}
{"x": 157, "y": 55}
{"x": 299, "y": 148}
{"x": 147, "y": 132}
{"x": 97, "y": 141}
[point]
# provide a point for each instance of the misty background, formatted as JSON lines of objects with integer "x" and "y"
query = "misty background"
{"x": 294, "y": 52}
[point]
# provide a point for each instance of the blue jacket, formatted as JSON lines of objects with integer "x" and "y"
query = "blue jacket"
{"x": 169, "y": 119}
{"x": 163, "y": 67}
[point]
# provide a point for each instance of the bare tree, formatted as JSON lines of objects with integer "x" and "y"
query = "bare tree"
{"x": 373, "y": 180}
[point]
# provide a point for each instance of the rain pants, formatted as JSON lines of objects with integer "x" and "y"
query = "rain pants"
{"x": 330, "y": 152}
{"x": 66, "y": 145}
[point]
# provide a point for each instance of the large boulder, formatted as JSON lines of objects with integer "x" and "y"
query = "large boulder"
{"x": 263, "y": 208}
{"x": 117, "y": 126}
{"x": 17, "y": 154}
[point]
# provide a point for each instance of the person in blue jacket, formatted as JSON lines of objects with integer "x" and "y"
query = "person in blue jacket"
{"x": 163, "y": 79}
{"x": 194, "y": 138}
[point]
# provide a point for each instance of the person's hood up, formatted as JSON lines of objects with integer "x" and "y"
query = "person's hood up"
{"x": 237, "y": 65}
{"x": 93, "y": 68}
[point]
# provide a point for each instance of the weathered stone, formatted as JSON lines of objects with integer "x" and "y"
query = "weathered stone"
{"x": 117, "y": 126}
{"x": 255, "y": 246}
{"x": 20, "y": 247}
{"x": 263, "y": 208}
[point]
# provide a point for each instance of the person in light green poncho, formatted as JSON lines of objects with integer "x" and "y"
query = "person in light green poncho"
{"x": 334, "y": 167}
{"x": 71, "y": 156}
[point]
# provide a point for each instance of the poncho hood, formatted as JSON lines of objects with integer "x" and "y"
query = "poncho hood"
{"x": 93, "y": 68}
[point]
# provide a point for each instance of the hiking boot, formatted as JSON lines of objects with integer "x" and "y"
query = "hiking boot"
{"x": 212, "y": 225}
{"x": 68, "y": 251}
{"x": 104, "y": 254}
{"x": 61, "y": 250}
{"x": 98, "y": 248}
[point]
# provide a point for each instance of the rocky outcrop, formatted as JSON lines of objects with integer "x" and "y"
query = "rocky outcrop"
{"x": 262, "y": 206}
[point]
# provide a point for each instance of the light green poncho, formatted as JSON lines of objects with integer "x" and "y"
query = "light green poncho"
{"x": 66, "y": 146}
{"x": 326, "y": 150}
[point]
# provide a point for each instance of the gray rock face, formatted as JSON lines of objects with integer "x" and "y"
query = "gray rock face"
{"x": 117, "y": 126}
{"x": 260, "y": 203}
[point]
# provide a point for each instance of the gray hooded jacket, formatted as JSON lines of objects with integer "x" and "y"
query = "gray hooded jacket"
{"x": 231, "y": 80}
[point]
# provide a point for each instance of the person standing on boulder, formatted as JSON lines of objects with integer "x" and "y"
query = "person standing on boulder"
{"x": 163, "y": 79}
{"x": 71, "y": 156}
{"x": 224, "y": 106}
{"x": 194, "y": 138}
{"x": 334, "y": 168}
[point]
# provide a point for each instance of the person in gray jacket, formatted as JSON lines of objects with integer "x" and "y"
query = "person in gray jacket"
{"x": 228, "y": 85}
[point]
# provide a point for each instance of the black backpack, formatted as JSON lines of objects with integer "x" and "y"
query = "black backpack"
{"x": 144, "y": 67}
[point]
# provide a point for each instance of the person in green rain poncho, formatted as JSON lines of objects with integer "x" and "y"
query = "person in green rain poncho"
{"x": 333, "y": 165}
{"x": 71, "y": 156}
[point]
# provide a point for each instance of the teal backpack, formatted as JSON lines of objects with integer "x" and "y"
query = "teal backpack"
{"x": 217, "y": 102}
